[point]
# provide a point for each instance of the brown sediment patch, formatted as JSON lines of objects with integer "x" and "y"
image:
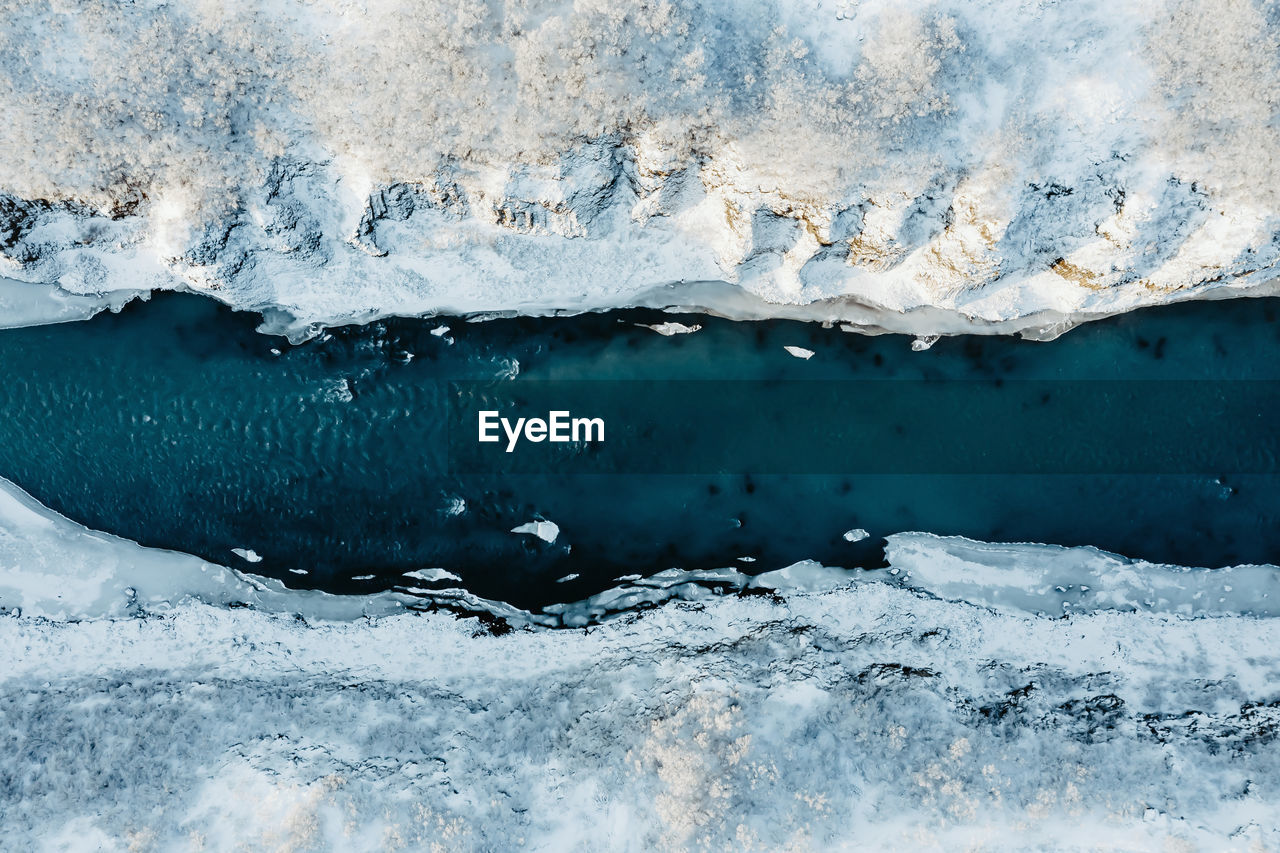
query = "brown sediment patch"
{"x": 1077, "y": 274}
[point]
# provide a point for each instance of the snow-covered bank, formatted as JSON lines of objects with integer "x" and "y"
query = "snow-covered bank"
{"x": 1053, "y": 580}
{"x": 923, "y": 166}
{"x": 866, "y": 717}
{"x": 816, "y": 709}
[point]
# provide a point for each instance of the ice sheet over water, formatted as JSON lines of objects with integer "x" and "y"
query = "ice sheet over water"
{"x": 22, "y": 304}
{"x": 53, "y": 568}
{"x": 1052, "y": 580}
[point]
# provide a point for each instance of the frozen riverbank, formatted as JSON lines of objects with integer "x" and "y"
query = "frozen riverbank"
{"x": 924, "y": 167}
{"x": 825, "y": 716}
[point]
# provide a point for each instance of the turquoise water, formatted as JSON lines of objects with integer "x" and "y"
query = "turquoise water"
{"x": 178, "y": 425}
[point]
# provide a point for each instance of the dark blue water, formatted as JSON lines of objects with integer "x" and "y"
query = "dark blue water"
{"x": 178, "y": 425}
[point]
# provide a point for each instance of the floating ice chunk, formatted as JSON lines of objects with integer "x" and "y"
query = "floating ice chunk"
{"x": 547, "y": 531}
{"x": 440, "y": 331}
{"x": 300, "y": 571}
{"x": 247, "y": 554}
{"x": 567, "y": 578}
{"x": 363, "y": 577}
{"x": 433, "y": 575}
{"x": 923, "y": 342}
{"x": 457, "y": 506}
{"x": 800, "y": 352}
{"x": 857, "y": 534}
{"x": 669, "y": 329}
{"x": 746, "y": 559}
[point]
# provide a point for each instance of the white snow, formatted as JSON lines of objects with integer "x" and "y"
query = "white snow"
{"x": 433, "y": 575}
{"x": 862, "y": 717}
{"x": 921, "y": 166}
{"x": 1051, "y": 579}
{"x": 671, "y": 328}
{"x": 547, "y": 531}
{"x": 800, "y": 352}
{"x": 839, "y": 711}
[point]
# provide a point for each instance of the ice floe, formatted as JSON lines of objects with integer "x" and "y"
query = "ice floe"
{"x": 547, "y": 531}
{"x": 671, "y": 328}
{"x": 433, "y": 575}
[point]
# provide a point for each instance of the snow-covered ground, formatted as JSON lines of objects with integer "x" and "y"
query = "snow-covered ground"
{"x": 940, "y": 704}
{"x": 925, "y": 166}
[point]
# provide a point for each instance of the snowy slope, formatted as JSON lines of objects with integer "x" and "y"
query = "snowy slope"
{"x": 922, "y": 166}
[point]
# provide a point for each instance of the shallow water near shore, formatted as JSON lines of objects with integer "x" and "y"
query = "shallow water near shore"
{"x": 178, "y": 425}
